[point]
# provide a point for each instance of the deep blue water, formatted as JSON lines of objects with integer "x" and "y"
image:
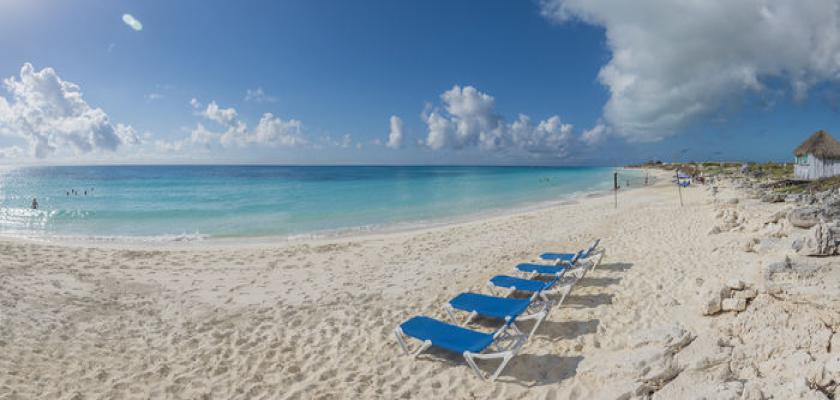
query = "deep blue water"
{"x": 241, "y": 201}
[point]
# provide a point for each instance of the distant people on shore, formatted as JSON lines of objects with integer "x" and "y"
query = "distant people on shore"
{"x": 34, "y": 203}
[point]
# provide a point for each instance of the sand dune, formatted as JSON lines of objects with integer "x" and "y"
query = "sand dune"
{"x": 314, "y": 319}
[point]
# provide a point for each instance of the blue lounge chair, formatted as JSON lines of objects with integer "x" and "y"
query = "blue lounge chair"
{"x": 541, "y": 269}
{"x": 504, "y": 308}
{"x": 466, "y": 342}
{"x": 569, "y": 258}
{"x": 536, "y": 289}
{"x": 577, "y": 270}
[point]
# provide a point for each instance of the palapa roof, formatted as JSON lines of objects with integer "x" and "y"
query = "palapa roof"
{"x": 820, "y": 144}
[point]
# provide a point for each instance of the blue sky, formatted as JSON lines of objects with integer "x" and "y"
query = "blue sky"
{"x": 333, "y": 73}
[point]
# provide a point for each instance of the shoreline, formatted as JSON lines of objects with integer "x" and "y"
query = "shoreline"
{"x": 172, "y": 241}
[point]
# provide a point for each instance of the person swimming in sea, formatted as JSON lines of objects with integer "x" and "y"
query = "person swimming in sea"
{"x": 34, "y": 203}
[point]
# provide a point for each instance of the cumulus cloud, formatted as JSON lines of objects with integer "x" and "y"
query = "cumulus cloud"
{"x": 270, "y": 130}
{"x": 11, "y": 152}
{"x": 275, "y": 131}
{"x": 468, "y": 119}
{"x": 596, "y": 135}
{"x": 548, "y": 136}
{"x": 395, "y": 135}
{"x": 258, "y": 96}
{"x": 667, "y": 72}
{"x": 132, "y": 22}
{"x": 49, "y": 113}
{"x": 202, "y": 136}
{"x": 223, "y": 116}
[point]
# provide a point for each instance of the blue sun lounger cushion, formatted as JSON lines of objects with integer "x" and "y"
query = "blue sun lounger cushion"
{"x": 461, "y": 340}
{"x": 521, "y": 284}
{"x": 569, "y": 257}
{"x": 446, "y": 336}
{"x": 490, "y": 306}
{"x": 541, "y": 269}
{"x": 506, "y": 308}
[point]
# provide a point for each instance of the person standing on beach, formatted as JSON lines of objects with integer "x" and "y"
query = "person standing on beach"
{"x": 34, "y": 203}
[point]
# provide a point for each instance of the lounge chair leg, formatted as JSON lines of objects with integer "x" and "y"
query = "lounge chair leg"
{"x": 598, "y": 261}
{"x": 400, "y": 341}
{"x": 504, "y": 355}
{"x": 469, "y": 318}
{"x": 468, "y": 356}
{"x": 451, "y": 315}
{"x": 426, "y": 344}
{"x": 542, "y": 315}
{"x": 502, "y": 366}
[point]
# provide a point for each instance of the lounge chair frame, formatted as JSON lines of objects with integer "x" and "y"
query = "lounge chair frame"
{"x": 505, "y": 353}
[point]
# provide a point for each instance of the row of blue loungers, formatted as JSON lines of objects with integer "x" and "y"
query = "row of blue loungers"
{"x": 507, "y": 340}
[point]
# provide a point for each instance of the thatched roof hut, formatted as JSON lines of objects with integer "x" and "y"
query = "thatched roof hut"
{"x": 820, "y": 144}
{"x": 817, "y": 157}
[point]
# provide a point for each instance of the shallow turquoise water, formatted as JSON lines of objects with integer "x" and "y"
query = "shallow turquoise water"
{"x": 176, "y": 202}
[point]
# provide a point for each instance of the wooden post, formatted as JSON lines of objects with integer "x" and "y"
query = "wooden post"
{"x": 679, "y": 187}
{"x": 615, "y": 189}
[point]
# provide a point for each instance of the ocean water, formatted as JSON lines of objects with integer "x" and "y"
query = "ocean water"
{"x": 194, "y": 202}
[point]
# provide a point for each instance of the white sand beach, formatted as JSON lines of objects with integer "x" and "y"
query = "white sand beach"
{"x": 315, "y": 319}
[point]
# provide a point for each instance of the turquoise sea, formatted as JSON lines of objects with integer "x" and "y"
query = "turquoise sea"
{"x": 192, "y": 202}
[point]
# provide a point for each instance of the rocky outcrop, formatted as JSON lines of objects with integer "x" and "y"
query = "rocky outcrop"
{"x": 822, "y": 240}
{"x": 731, "y": 297}
{"x": 804, "y": 217}
{"x": 771, "y": 197}
{"x": 645, "y": 365}
{"x": 731, "y": 221}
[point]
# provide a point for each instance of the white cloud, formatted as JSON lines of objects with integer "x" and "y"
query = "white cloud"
{"x": 270, "y": 130}
{"x": 13, "y": 152}
{"x": 154, "y": 96}
{"x": 199, "y": 138}
{"x": 224, "y": 116}
{"x": 596, "y": 135}
{"x": 548, "y": 136}
{"x": 132, "y": 22}
{"x": 275, "y": 131}
{"x": 439, "y": 127}
{"x": 676, "y": 62}
{"x": 258, "y": 96}
{"x": 395, "y": 135}
{"x": 50, "y": 114}
{"x": 469, "y": 119}
{"x": 346, "y": 141}
{"x": 202, "y": 136}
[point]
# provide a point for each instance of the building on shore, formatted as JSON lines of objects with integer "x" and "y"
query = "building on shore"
{"x": 817, "y": 157}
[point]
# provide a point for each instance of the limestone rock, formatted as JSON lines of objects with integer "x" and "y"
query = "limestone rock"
{"x": 822, "y": 240}
{"x": 772, "y": 198}
{"x": 711, "y": 299}
{"x": 804, "y": 217}
{"x": 778, "y": 216}
{"x": 733, "y": 304}
{"x": 749, "y": 247}
{"x": 735, "y": 284}
{"x": 746, "y": 294}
